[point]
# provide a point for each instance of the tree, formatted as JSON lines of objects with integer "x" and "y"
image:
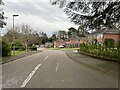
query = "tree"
{"x": 82, "y": 31}
{"x": 72, "y": 32}
{"x": 26, "y": 31}
{"x": 91, "y": 14}
{"x": 34, "y": 38}
{"x": 62, "y": 34}
{"x": 11, "y": 35}
{"x": 43, "y": 37}
{"x": 54, "y": 38}
{"x": 25, "y": 36}
{"x": 2, "y": 17}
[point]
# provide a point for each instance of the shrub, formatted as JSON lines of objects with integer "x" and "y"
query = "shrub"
{"x": 98, "y": 50}
{"x": 109, "y": 43}
{"x": 18, "y": 45}
{"x": 33, "y": 48}
{"x": 118, "y": 45}
{"x": 6, "y": 49}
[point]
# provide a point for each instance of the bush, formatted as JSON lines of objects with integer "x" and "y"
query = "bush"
{"x": 109, "y": 43}
{"x": 33, "y": 48}
{"x": 18, "y": 48}
{"x": 100, "y": 51}
{"x": 6, "y": 49}
{"x": 18, "y": 45}
{"x": 118, "y": 45}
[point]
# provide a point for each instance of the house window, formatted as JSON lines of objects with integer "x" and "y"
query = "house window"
{"x": 100, "y": 36}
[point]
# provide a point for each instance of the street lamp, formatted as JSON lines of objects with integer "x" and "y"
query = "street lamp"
{"x": 14, "y": 34}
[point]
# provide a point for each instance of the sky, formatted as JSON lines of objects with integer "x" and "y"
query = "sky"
{"x": 39, "y": 14}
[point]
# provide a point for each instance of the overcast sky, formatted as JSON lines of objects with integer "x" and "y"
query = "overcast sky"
{"x": 40, "y": 14}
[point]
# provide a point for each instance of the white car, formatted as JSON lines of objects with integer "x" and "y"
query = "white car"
{"x": 61, "y": 46}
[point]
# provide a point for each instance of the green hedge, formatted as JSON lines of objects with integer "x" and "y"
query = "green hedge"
{"x": 6, "y": 48}
{"x": 109, "y": 43}
{"x": 98, "y": 50}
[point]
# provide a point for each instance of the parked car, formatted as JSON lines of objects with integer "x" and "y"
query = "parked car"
{"x": 61, "y": 46}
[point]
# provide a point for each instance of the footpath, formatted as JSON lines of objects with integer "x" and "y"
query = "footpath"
{"x": 109, "y": 67}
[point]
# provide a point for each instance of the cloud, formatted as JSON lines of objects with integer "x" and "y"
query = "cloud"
{"x": 41, "y": 15}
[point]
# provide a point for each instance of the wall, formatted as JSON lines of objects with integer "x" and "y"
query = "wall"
{"x": 115, "y": 37}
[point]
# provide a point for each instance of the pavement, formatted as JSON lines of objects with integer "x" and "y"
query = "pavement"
{"x": 53, "y": 69}
{"x": 109, "y": 67}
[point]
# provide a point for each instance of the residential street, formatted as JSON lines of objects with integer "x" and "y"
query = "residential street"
{"x": 53, "y": 69}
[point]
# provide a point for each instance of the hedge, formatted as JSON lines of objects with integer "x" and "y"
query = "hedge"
{"x": 6, "y": 48}
{"x": 98, "y": 50}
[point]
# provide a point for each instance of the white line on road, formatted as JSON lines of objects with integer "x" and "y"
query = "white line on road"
{"x": 46, "y": 57}
{"x": 56, "y": 69}
{"x": 30, "y": 76}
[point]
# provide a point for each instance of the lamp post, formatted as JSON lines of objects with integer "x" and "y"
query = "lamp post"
{"x": 14, "y": 34}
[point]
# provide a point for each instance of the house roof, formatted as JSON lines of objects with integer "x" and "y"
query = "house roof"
{"x": 74, "y": 38}
{"x": 110, "y": 31}
{"x": 99, "y": 31}
{"x": 60, "y": 40}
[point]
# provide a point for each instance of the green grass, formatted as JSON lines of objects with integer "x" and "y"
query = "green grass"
{"x": 64, "y": 49}
{"x": 18, "y": 52}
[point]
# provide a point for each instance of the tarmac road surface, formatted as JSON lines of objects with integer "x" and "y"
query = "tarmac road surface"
{"x": 53, "y": 69}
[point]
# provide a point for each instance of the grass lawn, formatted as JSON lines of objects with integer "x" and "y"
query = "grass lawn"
{"x": 64, "y": 49}
{"x": 18, "y": 52}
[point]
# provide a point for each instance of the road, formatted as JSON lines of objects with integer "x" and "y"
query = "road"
{"x": 53, "y": 69}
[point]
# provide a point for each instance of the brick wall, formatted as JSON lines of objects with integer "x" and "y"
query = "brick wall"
{"x": 73, "y": 42}
{"x": 115, "y": 37}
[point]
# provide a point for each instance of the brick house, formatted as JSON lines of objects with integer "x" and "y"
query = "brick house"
{"x": 59, "y": 42}
{"x": 113, "y": 34}
{"x": 101, "y": 35}
{"x": 97, "y": 35}
{"x": 73, "y": 42}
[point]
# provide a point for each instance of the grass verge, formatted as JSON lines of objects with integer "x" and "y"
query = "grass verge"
{"x": 63, "y": 49}
{"x": 18, "y": 52}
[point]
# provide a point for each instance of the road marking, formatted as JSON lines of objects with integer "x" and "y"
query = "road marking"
{"x": 56, "y": 69}
{"x": 46, "y": 57}
{"x": 30, "y": 76}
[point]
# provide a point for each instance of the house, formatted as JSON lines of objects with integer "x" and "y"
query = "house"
{"x": 96, "y": 36}
{"x": 101, "y": 35}
{"x": 59, "y": 43}
{"x": 73, "y": 42}
{"x": 113, "y": 34}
